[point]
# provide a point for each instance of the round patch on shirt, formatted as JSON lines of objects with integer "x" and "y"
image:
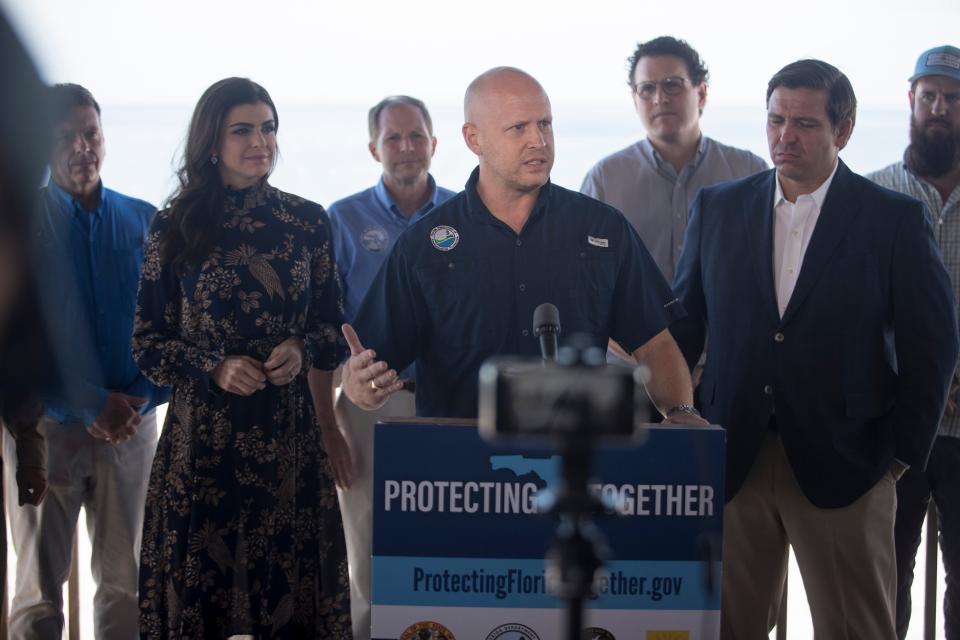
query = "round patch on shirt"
{"x": 374, "y": 238}
{"x": 444, "y": 238}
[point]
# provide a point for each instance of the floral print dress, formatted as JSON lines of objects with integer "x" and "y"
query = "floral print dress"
{"x": 242, "y": 533}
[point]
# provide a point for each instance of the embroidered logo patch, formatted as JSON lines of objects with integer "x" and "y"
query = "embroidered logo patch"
{"x": 374, "y": 239}
{"x": 943, "y": 59}
{"x": 598, "y": 242}
{"x": 444, "y": 238}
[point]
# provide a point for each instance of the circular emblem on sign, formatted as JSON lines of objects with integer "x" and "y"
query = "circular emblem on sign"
{"x": 444, "y": 238}
{"x": 513, "y": 631}
{"x": 374, "y": 238}
{"x": 596, "y": 633}
{"x": 427, "y": 630}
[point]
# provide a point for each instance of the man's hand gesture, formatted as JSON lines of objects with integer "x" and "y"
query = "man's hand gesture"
{"x": 366, "y": 380}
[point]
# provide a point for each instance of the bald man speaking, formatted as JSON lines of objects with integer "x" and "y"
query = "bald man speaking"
{"x": 461, "y": 284}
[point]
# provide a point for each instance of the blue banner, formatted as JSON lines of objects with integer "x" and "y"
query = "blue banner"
{"x": 459, "y": 524}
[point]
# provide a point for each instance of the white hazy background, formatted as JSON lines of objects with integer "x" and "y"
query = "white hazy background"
{"x": 325, "y": 63}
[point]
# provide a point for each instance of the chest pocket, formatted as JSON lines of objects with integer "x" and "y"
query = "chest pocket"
{"x": 583, "y": 284}
{"x": 458, "y": 300}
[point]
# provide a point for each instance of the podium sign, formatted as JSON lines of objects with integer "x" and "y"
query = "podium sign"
{"x": 459, "y": 539}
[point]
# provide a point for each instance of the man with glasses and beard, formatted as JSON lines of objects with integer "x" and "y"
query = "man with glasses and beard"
{"x": 930, "y": 172}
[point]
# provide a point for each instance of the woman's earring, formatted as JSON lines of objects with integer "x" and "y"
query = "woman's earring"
{"x": 214, "y": 160}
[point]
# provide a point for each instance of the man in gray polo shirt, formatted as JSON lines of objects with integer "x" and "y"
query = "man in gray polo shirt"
{"x": 930, "y": 172}
{"x": 654, "y": 181}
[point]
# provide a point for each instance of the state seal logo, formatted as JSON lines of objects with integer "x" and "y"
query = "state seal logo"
{"x": 374, "y": 238}
{"x": 444, "y": 238}
{"x": 513, "y": 631}
{"x": 597, "y": 633}
{"x": 426, "y": 630}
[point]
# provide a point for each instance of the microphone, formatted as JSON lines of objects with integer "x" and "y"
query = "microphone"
{"x": 546, "y": 326}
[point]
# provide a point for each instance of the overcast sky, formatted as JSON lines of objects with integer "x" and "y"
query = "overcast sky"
{"x": 336, "y": 51}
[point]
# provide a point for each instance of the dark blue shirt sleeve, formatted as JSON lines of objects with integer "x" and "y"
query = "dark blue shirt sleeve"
{"x": 643, "y": 303}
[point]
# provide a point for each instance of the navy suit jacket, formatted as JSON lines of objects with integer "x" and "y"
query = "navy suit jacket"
{"x": 858, "y": 368}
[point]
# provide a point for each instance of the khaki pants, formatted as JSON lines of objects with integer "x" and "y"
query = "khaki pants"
{"x": 110, "y": 481}
{"x": 846, "y": 556}
{"x": 356, "y": 503}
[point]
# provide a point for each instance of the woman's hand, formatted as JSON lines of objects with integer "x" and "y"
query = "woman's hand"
{"x": 241, "y": 375}
{"x": 341, "y": 457}
{"x": 285, "y": 362}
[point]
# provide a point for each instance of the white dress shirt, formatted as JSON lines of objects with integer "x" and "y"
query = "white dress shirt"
{"x": 793, "y": 226}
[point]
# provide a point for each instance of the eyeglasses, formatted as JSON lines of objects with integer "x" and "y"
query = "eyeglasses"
{"x": 672, "y": 86}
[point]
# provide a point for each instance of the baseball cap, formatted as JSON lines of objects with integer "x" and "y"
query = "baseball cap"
{"x": 939, "y": 61}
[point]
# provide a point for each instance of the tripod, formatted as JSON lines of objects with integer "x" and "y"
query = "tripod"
{"x": 577, "y": 549}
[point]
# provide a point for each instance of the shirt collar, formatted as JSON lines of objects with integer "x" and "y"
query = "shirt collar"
{"x": 69, "y": 203}
{"x": 475, "y": 203}
{"x": 818, "y": 196}
{"x": 386, "y": 200}
{"x": 658, "y": 161}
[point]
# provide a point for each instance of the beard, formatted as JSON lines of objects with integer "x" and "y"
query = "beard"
{"x": 932, "y": 155}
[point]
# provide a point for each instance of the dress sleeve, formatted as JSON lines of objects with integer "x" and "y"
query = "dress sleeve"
{"x": 159, "y": 347}
{"x": 324, "y": 348}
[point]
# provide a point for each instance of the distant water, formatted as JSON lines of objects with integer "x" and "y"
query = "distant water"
{"x": 324, "y": 148}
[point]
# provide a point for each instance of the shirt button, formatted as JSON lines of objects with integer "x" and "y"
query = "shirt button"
{"x": 767, "y": 390}
{"x": 519, "y": 242}
{"x": 778, "y": 337}
{"x": 525, "y": 333}
{"x": 523, "y": 287}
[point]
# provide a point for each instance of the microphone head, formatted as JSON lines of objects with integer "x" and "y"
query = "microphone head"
{"x": 546, "y": 319}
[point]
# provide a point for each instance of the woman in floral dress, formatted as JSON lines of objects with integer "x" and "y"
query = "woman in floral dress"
{"x": 239, "y": 309}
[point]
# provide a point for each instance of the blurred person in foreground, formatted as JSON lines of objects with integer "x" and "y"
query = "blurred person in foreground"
{"x": 239, "y": 309}
{"x": 930, "y": 172}
{"x": 25, "y": 363}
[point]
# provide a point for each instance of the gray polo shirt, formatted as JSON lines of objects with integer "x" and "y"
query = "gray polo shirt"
{"x": 655, "y": 198}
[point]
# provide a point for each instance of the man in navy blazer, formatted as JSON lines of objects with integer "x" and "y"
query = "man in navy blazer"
{"x": 833, "y": 339}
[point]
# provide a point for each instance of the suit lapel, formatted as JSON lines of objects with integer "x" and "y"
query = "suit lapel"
{"x": 759, "y": 225}
{"x": 840, "y": 207}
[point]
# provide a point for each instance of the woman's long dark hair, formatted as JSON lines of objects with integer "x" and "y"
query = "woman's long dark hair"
{"x": 197, "y": 206}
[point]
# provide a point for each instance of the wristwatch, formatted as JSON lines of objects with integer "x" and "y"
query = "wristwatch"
{"x": 683, "y": 408}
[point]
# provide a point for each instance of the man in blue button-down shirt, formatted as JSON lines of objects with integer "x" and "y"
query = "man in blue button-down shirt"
{"x": 365, "y": 226}
{"x": 100, "y": 425}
